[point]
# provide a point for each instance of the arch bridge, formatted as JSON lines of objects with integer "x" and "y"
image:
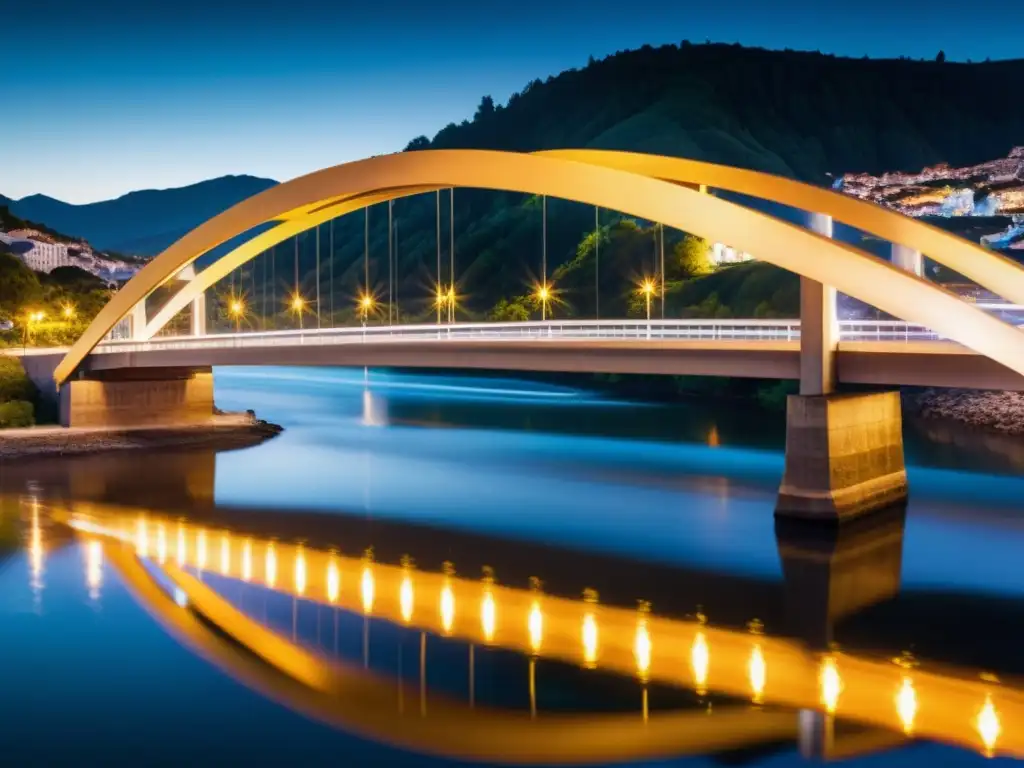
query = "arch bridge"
{"x": 844, "y": 452}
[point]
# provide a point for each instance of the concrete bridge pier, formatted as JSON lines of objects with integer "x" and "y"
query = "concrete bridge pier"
{"x": 844, "y": 452}
{"x": 138, "y": 398}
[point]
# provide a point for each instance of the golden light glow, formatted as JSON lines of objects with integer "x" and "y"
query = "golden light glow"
{"x": 366, "y": 302}
{"x": 366, "y": 588}
{"x": 35, "y": 548}
{"x": 297, "y": 303}
{"x": 201, "y": 550}
{"x": 648, "y": 287}
{"x": 333, "y": 581}
{"x": 543, "y": 293}
{"x": 179, "y": 547}
{"x": 488, "y": 616}
{"x": 161, "y": 544}
{"x": 447, "y": 608}
{"x": 406, "y": 598}
{"x": 590, "y": 639}
{"x": 141, "y": 538}
{"x": 642, "y": 650}
{"x": 700, "y": 659}
{"x": 238, "y": 307}
{"x": 906, "y": 705}
{"x": 270, "y": 566}
{"x": 300, "y": 573}
{"x": 988, "y": 725}
{"x": 247, "y": 560}
{"x": 535, "y": 625}
{"x": 831, "y": 684}
{"x": 225, "y": 554}
{"x": 94, "y": 567}
{"x": 441, "y": 297}
{"x": 69, "y": 311}
{"x": 757, "y": 673}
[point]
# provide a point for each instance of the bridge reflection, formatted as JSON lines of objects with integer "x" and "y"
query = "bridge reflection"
{"x": 885, "y": 700}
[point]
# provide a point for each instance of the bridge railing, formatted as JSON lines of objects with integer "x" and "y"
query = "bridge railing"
{"x": 610, "y": 330}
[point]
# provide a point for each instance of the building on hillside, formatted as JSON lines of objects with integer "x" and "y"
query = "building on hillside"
{"x": 725, "y": 254}
{"x": 42, "y": 253}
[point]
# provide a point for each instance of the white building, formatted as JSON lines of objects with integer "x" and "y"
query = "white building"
{"x": 40, "y": 254}
{"x": 726, "y": 254}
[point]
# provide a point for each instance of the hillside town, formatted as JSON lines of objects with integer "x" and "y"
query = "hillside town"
{"x": 41, "y": 252}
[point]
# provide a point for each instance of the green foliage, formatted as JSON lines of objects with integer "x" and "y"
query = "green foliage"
{"x": 19, "y": 286}
{"x": 510, "y": 311}
{"x": 693, "y": 256}
{"x": 751, "y": 289}
{"x": 17, "y": 413}
{"x": 14, "y": 382}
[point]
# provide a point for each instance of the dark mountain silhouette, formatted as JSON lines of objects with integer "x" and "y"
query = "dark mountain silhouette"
{"x": 143, "y": 222}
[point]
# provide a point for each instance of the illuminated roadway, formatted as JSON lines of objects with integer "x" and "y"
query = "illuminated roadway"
{"x": 870, "y": 352}
{"x": 949, "y": 705}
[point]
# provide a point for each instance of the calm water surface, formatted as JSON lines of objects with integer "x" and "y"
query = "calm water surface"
{"x": 429, "y": 570}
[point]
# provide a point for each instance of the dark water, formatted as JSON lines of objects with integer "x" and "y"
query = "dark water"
{"x": 504, "y": 482}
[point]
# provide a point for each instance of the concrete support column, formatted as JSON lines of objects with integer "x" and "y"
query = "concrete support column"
{"x": 908, "y": 259}
{"x": 844, "y": 456}
{"x": 139, "y": 398}
{"x": 819, "y": 326}
{"x": 138, "y": 320}
{"x": 199, "y": 315}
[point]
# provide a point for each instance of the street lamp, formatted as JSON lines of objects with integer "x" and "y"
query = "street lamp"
{"x": 648, "y": 289}
{"x": 69, "y": 311}
{"x": 365, "y": 305}
{"x": 237, "y": 310}
{"x": 451, "y": 303}
{"x": 543, "y": 295}
{"x": 439, "y": 301}
{"x": 298, "y": 305}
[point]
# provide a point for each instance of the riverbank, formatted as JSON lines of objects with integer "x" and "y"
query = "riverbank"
{"x": 224, "y": 432}
{"x": 993, "y": 411}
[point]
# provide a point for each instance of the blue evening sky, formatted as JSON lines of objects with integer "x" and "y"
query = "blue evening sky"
{"x": 108, "y": 96}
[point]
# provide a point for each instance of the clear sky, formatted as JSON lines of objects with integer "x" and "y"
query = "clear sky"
{"x": 107, "y": 96}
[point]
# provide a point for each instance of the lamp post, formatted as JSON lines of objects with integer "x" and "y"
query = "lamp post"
{"x": 298, "y": 306}
{"x": 451, "y": 303}
{"x": 543, "y": 295}
{"x": 647, "y": 288}
{"x": 365, "y": 305}
{"x": 237, "y": 310}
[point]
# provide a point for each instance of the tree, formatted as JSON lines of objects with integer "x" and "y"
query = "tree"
{"x": 485, "y": 110}
{"x": 420, "y": 142}
{"x": 19, "y": 285}
{"x": 693, "y": 255}
{"x": 941, "y": 57}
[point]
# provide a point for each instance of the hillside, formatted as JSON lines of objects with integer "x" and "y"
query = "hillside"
{"x": 144, "y": 222}
{"x": 805, "y": 115}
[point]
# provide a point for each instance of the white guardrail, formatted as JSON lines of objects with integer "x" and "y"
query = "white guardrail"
{"x": 583, "y": 330}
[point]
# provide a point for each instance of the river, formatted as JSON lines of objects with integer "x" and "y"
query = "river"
{"x": 432, "y": 570}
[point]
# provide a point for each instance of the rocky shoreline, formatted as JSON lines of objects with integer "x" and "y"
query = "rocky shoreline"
{"x": 994, "y": 411}
{"x": 222, "y": 434}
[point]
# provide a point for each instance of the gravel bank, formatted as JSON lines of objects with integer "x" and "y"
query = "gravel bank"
{"x": 995, "y": 411}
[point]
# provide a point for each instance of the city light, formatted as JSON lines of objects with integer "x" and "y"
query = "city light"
{"x": 69, "y": 311}
{"x": 366, "y": 302}
{"x": 237, "y": 311}
{"x": 406, "y": 598}
{"x": 300, "y": 573}
{"x": 298, "y": 303}
{"x": 367, "y": 589}
{"x": 247, "y": 560}
{"x": 642, "y": 650}
{"x": 270, "y": 566}
{"x": 535, "y": 625}
{"x": 488, "y": 616}
{"x": 543, "y": 295}
{"x": 589, "y": 640}
{"x": 757, "y": 672}
{"x": 333, "y": 581}
{"x": 447, "y": 608}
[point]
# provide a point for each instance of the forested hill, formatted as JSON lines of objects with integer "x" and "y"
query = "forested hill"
{"x": 794, "y": 113}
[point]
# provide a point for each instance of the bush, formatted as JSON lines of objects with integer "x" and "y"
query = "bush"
{"x": 17, "y": 413}
{"x": 14, "y": 383}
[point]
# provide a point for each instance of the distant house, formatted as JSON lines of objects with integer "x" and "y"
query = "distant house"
{"x": 726, "y": 254}
{"x": 41, "y": 253}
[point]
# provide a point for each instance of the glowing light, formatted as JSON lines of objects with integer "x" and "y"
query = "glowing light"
{"x": 94, "y": 568}
{"x": 161, "y": 543}
{"x": 237, "y": 307}
{"x": 69, "y": 311}
{"x": 442, "y": 297}
{"x": 179, "y": 549}
{"x": 225, "y": 554}
{"x": 757, "y": 672}
{"x": 447, "y": 608}
{"x": 298, "y": 303}
{"x": 906, "y": 705}
{"x": 247, "y": 560}
{"x": 406, "y": 598}
{"x": 141, "y": 538}
{"x": 535, "y": 625}
{"x": 647, "y": 287}
{"x": 333, "y": 581}
{"x": 543, "y": 293}
{"x": 831, "y": 684}
{"x": 589, "y": 639}
{"x": 488, "y": 616}
{"x": 270, "y": 566}
{"x": 300, "y": 573}
{"x": 366, "y": 302}
{"x": 366, "y": 587}
{"x": 642, "y": 650}
{"x": 988, "y": 725}
{"x": 201, "y": 550}
{"x": 700, "y": 660}
{"x": 35, "y": 549}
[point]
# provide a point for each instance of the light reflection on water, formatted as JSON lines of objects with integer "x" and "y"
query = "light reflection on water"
{"x": 694, "y": 506}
